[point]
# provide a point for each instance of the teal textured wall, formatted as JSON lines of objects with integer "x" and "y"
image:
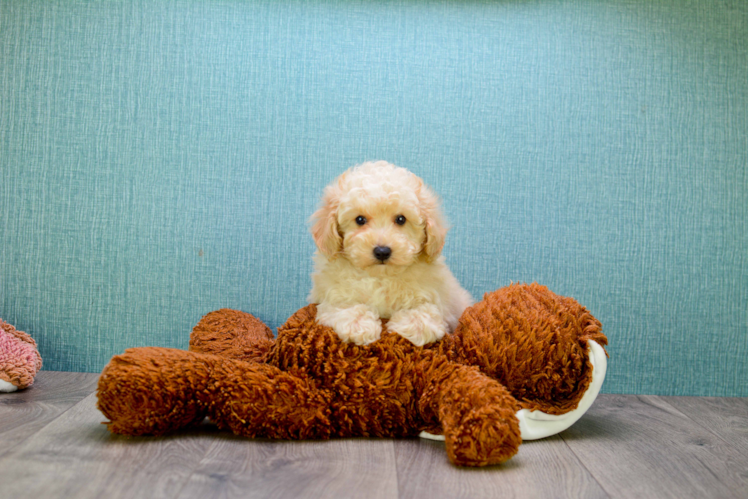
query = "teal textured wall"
{"x": 159, "y": 160}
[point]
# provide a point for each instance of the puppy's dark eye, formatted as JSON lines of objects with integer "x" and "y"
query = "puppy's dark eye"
{"x": 400, "y": 220}
{"x": 360, "y": 220}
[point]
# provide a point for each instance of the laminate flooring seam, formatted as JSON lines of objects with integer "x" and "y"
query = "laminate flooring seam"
{"x": 639, "y": 446}
{"x": 397, "y": 472}
{"x": 738, "y": 412}
{"x": 729, "y": 444}
{"x": 8, "y": 455}
{"x": 664, "y": 400}
{"x": 213, "y": 444}
{"x": 584, "y": 465}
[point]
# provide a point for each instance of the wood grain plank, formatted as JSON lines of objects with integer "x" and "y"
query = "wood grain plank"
{"x": 237, "y": 467}
{"x": 545, "y": 469}
{"x": 24, "y": 412}
{"x": 725, "y": 417}
{"x": 640, "y": 446}
{"x": 625, "y": 446}
{"x": 76, "y": 456}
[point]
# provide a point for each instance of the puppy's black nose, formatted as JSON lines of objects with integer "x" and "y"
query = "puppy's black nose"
{"x": 382, "y": 253}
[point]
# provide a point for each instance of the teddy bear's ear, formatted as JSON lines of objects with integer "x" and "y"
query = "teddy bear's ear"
{"x": 325, "y": 229}
{"x": 434, "y": 224}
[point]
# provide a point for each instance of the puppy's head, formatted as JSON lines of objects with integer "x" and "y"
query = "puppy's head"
{"x": 377, "y": 214}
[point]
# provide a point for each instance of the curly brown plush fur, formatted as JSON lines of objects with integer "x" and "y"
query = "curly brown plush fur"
{"x": 521, "y": 346}
{"x": 532, "y": 341}
{"x": 232, "y": 334}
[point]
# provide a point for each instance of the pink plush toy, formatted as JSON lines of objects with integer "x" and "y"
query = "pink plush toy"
{"x": 19, "y": 359}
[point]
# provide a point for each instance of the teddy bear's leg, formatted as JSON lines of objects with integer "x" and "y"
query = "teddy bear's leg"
{"x": 475, "y": 413}
{"x": 153, "y": 391}
{"x": 233, "y": 334}
{"x": 546, "y": 349}
{"x": 261, "y": 401}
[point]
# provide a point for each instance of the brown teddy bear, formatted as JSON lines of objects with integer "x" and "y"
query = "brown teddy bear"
{"x": 520, "y": 352}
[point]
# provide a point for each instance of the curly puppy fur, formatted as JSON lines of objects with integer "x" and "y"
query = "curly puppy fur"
{"x": 380, "y": 233}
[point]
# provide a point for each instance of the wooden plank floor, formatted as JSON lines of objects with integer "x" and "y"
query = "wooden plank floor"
{"x": 53, "y": 445}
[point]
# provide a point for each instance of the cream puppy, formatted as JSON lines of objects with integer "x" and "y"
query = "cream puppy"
{"x": 380, "y": 234}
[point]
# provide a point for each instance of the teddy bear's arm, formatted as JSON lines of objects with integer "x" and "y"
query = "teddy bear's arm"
{"x": 475, "y": 413}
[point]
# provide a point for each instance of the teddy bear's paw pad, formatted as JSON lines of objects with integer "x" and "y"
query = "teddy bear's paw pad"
{"x": 7, "y": 386}
{"x": 537, "y": 424}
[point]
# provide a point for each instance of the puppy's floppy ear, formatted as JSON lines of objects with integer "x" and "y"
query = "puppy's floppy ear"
{"x": 325, "y": 228}
{"x": 434, "y": 224}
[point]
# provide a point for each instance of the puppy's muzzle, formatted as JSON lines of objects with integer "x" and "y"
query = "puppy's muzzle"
{"x": 382, "y": 253}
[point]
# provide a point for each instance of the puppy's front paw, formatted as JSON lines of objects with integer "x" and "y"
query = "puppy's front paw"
{"x": 358, "y": 324}
{"x": 422, "y": 325}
